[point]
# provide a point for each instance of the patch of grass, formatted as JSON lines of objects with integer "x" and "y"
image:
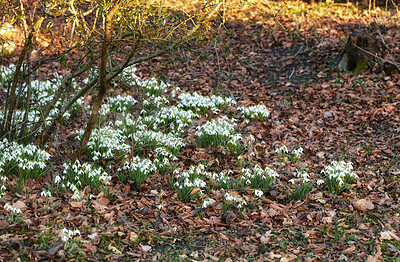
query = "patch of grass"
{"x": 390, "y": 250}
{"x": 368, "y": 148}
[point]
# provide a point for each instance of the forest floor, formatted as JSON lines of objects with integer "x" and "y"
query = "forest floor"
{"x": 290, "y": 67}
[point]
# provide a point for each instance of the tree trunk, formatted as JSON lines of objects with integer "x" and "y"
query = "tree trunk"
{"x": 102, "y": 80}
{"x": 11, "y": 99}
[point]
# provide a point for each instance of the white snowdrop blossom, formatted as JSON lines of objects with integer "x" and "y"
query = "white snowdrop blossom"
{"x": 339, "y": 175}
{"x": 320, "y": 182}
{"x": 229, "y": 197}
{"x": 29, "y": 159}
{"x": 155, "y": 87}
{"x": 174, "y": 91}
{"x": 57, "y": 179}
{"x": 153, "y": 102}
{"x": 302, "y": 186}
{"x": 11, "y": 209}
{"x": 76, "y": 195}
{"x": 67, "y": 234}
{"x": 297, "y": 152}
{"x": 304, "y": 176}
{"x": 139, "y": 169}
{"x": 80, "y": 175}
{"x": 136, "y": 164}
{"x": 242, "y": 204}
{"x": 33, "y": 116}
{"x": 230, "y": 200}
{"x": 218, "y": 132}
{"x": 162, "y": 153}
{"x": 152, "y": 86}
{"x": 258, "y": 178}
{"x": 106, "y": 142}
{"x": 206, "y": 203}
{"x": 128, "y": 123}
{"x": 340, "y": 171}
{"x": 257, "y": 112}
{"x": 7, "y": 72}
{"x": 203, "y": 104}
{"x": 3, "y": 180}
{"x": 93, "y": 236}
{"x": 45, "y": 193}
{"x": 121, "y": 104}
{"x": 129, "y": 74}
{"x": 104, "y": 110}
{"x": 223, "y": 179}
{"x": 281, "y": 150}
{"x": 152, "y": 140}
{"x": 186, "y": 181}
{"x": 258, "y": 193}
{"x": 41, "y": 94}
{"x": 172, "y": 119}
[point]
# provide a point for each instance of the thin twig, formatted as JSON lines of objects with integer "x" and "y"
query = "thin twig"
{"x": 291, "y": 73}
{"x": 380, "y": 58}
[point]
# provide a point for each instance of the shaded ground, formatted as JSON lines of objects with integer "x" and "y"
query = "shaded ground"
{"x": 332, "y": 115}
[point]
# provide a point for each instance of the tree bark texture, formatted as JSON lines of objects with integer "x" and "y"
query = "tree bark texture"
{"x": 102, "y": 80}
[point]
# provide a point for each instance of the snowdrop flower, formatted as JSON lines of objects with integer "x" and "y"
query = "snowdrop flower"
{"x": 228, "y": 197}
{"x": 257, "y": 112}
{"x": 77, "y": 172}
{"x": 106, "y": 142}
{"x": 297, "y": 152}
{"x": 45, "y": 193}
{"x": 241, "y": 204}
{"x": 159, "y": 139}
{"x": 92, "y": 236}
{"x": 338, "y": 174}
{"x": 304, "y": 176}
{"x": 339, "y": 170}
{"x": 75, "y": 196}
{"x": 121, "y": 103}
{"x": 282, "y": 149}
{"x": 9, "y": 208}
{"x": 258, "y": 193}
{"x": 203, "y": 103}
{"x": 206, "y": 203}
{"x": 66, "y": 234}
{"x": 175, "y": 119}
{"x": 218, "y": 132}
{"x": 320, "y": 182}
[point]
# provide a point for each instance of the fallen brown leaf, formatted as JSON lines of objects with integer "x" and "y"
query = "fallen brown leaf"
{"x": 59, "y": 245}
{"x": 388, "y": 235}
{"x": 364, "y": 205}
{"x": 21, "y": 205}
{"x": 104, "y": 201}
{"x": 4, "y": 224}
